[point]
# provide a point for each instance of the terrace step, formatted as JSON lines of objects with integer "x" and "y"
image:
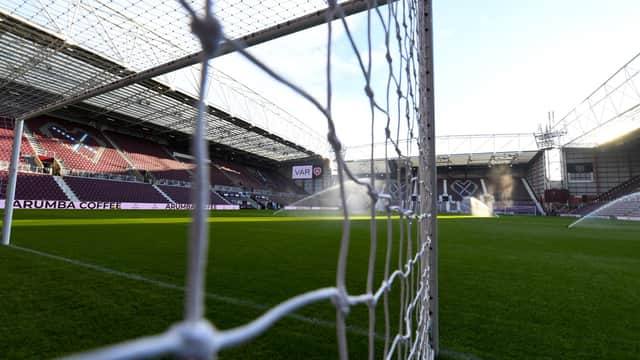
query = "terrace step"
{"x": 65, "y": 188}
{"x": 533, "y": 196}
{"x": 163, "y": 193}
{"x": 32, "y": 141}
{"x": 184, "y": 166}
{"x": 115, "y": 146}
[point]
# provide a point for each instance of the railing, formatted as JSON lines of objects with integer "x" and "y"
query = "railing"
{"x": 4, "y": 165}
{"x": 619, "y": 189}
{"x": 102, "y": 176}
{"x": 172, "y": 182}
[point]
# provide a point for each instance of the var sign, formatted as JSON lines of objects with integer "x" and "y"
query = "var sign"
{"x": 302, "y": 172}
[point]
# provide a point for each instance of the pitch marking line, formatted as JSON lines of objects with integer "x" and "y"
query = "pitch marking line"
{"x": 187, "y": 220}
{"x": 226, "y": 299}
{"x": 164, "y": 284}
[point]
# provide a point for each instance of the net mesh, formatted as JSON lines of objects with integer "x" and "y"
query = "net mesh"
{"x": 400, "y": 107}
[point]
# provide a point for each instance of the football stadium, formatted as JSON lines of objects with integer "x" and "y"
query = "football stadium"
{"x": 155, "y": 206}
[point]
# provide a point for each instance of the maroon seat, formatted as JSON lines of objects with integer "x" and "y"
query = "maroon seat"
{"x": 33, "y": 187}
{"x": 106, "y": 190}
{"x": 6, "y": 142}
{"x": 182, "y": 195}
{"x": 151, "y": 157}
{"x": 80, "y": 147}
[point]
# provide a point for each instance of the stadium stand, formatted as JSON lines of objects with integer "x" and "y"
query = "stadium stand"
{"x": 277, "y": 182}
{"x": 34, "y": 187}
{"x": 152, "y": 157}
{"x": 76, "y": 147}
{"x": 238, "y": 174}
{"x": 111, "y": 166}
{"x": 460, "y": 188}
{"x": 218, "y": 177}
{"x": 506, "y": 192}
{"x": 584, "y": 209}
{"x": 506, "y": 188}
{"x": 217, "y": 199}
{"x": 178, "y": 194}
{"x": 182, "y": 195}
{"x": 620, "y": 190}
{"x": 6, "y": 140}
{"x": 617, "y": 209}
{"x": 107, "y": 190}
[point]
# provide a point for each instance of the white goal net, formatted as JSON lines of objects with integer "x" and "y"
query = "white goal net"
{"x": 393, "y": 56}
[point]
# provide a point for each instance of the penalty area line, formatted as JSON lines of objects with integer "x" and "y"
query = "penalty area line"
{"x": 226, "y": 299}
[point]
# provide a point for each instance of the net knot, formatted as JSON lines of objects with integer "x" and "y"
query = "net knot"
{"x": 368, "y": 91}
{"x": 335, "y": 143}
{"x": 209, "y": 31}
{"x": 341, "y": 302}
{"x": 198, "y": 339}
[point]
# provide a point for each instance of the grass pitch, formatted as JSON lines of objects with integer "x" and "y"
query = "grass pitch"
{"x": 510, "y": 287}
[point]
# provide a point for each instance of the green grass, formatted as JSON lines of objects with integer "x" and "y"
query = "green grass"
{"x": 510, "y": 287}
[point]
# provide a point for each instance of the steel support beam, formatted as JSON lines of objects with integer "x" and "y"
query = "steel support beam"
{"x": 13, "y": 179}
{"x": 289, "y": 27}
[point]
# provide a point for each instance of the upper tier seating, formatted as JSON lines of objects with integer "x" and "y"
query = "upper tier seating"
{"x": 79, "y": 147}
{"x": 152, "y": 157}
{"x": 6, "y": 142}
{"x": 279, "y": 183}
{"x": 218, "y": 177}
{"x": 33, "y": 187}
{"x": 238, "y": 174}
{"x": 106, "y": 190}
{"x": 82, "y": 148}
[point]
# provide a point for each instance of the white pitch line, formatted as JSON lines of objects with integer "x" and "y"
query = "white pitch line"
{"x": 164, "y": 284}
{"x": 226, "y": 299}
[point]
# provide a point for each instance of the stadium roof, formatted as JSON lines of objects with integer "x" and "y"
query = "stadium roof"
{"x": 609, "y": 112}
{"x": 460, "y": 149}
{"x": 55, "y": 53}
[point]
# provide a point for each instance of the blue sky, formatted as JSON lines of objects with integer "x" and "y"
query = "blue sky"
{"x": 499, "y": 65}
{"x": 503, "y": 64}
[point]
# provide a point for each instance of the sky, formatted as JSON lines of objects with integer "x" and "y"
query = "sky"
{"x": 500, "y": 65}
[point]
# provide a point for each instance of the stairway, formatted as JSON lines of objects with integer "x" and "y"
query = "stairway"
{"x": 252, "y": 203}
{"x": 218, "y": 196}
{"x": 119, "y": 150}
{"x": 133, "y": 171}
{"x": 66, "y": 189}
{"x": 533, "y": 196}
{"x": 620, "y": 190}
{"x": 184, "y": 166}
{"x": 32, "y": 141}
{"x": 169, "y": 199}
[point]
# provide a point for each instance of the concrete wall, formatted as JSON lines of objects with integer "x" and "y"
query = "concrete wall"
{"x": 612, "y": 164}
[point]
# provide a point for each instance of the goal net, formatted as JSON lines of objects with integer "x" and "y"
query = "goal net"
{"x": 390, "y": 50}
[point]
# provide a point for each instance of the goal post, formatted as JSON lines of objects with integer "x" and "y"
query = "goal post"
{"x": 428, "y": 168}
{"x": 18, "y": 126}
{"x": 400, "y": 106}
